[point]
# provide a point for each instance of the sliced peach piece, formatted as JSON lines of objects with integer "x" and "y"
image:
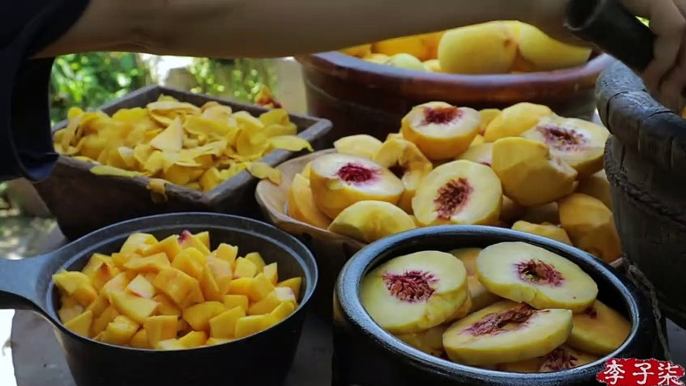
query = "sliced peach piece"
{"x": 526, "y": 273}
{"x": 271, "y": 271}
{"x": 515, "y": 120}
{"x": 256, "y": 258}
{"x": 294, "y": 284}
{"x": 137, "y": 243}
{"x": 440, "y": 130}
{"x": 80, "y": 324}
{"x": 233, "y": 301}
{"x": 480, "y": 296}
{"x": 159, "y": 328}
{"x": 338, "y": 181}
{"x": 578, "y": 143}
{"x": 406, "y": 161}
{"x": 301, "y": 204}
{"x": 189, "y": 240}
{"x": 169, "y": 246}
{"x": 562, "y": 358}
{"x": 429, "y": 341}
{"x": 199, "y": 315}
{"x": 545, "y": 230}
{"x": 415, "y": 292}
{"x": 596, "y": 186}
{"x": 101, "y": 269}
{"x": 226, "y": 252}
{"x": 223, "y": 326}
{"x": 506, "y": 332}
{"x": 120, "y": 331}
{"x": 361, "y": 145}
{"x": 459, "y": 192}
{"x": 141, "y": 287}
{"x": 368, "y": 221}
{"x": 481, "y": 154}
{"x": 599, "y": 330}
{"x": 530, "y": 175}
{"x": 68, "y": 313}
{"x": 193, "y": 339}
{"x": 140, "y": 340}
{"x": 136, "y": 308}
{"x": 591, "y": 226}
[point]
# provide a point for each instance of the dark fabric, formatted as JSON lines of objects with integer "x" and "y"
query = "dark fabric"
{"x": 26, "y": 27}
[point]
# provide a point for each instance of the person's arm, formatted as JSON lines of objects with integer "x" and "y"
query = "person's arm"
{"x": 271, "y": 28}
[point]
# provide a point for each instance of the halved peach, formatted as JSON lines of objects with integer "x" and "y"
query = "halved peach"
{"x": 368, "y": 221}
{"x": 526, "y": 273}
{"x": 301, "y": 205}
{"x": 441, "y": 130}
{"x": 599, "y": 330}
{"x": 578, "y": 143}
{"x": 546, "y": 230}
{"x": 361, "y": 145}
{"x": 515, "y": 120}
{"x": 338, "y": 181}
{"x": 481, "y": 154}
{"x": 506, "y": 332}
{"x": 458, "y": 192}
{"x": 414, "y": 292}
{"x": 591, "y": 226}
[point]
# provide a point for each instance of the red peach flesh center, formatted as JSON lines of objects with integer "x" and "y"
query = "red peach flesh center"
{"x": 411, "y": 286}
{"x": 591, "y": 312}
{"x": 452, "y": 197}
{"x": 562, "y": 138}
{"x": 441, "y": 115}
{"x": 356, "y": 174}
{"x": 539, "y": 272}
{"x": 495, "y": 323}
{"x": 559, "y": 359}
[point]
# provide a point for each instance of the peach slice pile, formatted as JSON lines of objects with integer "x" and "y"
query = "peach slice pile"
{"x": 174, "y": 294}
{"x": 175, "y": 142}
{"x": 523, "y": 168}
{"x": 498, "y": 47}
{"x": 512, "y": 307}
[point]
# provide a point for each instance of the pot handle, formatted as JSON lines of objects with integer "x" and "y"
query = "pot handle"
{"x": 612, "y": 28}
{"x": 19, "y": 282}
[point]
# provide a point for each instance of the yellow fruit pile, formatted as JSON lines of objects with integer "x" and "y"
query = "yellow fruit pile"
{"x": 498, "y": 47}
{"x": 174, "y": 294}
{"x": 182, "y": 144}
{"x": 511, "y": 307}
{"x": 523, "y": 167}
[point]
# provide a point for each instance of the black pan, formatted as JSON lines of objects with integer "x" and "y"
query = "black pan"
{"x": 261, "y": 359}
{"x": 365, "y": 354}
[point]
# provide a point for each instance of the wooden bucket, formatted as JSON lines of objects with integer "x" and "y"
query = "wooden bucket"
{"x": 645, "y": 161}
{"x": 360, "y": 97}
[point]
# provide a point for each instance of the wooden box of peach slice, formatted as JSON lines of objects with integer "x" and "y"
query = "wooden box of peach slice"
{"x": 523, "y": 168}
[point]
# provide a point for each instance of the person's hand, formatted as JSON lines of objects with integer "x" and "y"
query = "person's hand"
{"x": 665, "y": 77}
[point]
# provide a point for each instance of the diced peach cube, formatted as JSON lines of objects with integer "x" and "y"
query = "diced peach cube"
{"x": 190, "y": 261}
{"x": 85, "y": 294}
{"x": 101, "y": 269}
{"x": 137, "y": 243}
{"x": 193, "y": 298}
{"x": 282, "y": 311}
{"x": 169, "y": 246}
{"x": 194, "y": 339}
{"x": 223, "y": 326}
{"x": 199, "y": 315}
{"x": 100, "y": 324}
{"x": 140, "y": 286}
{"x": 256, "y": 259}
{"x": 182, "y": 327}
{"x": 152, "y": 263}
{"x": 241, "y": 286}
{"x": 70, "y": 281}
{"x": 264, "y": 306}
{"x": 176, "y": 284}
{"x": 222, "y": 272}
{"x": 244, "y": 268}
{"x": 118, "y": 283}
{"x": 271, "y": 271}
{"x": 68, "y": 313}
{"x": 249, "y": 325}
{"x": 231, "y": 301}
{"x": 294, "y": 284}
{"x": 98, "y": 306}
{"x": 119, "y": 331}
{"x": 166, "y": 306}
{"x": 138, "y": 309}
{"x": 208, "y": 284}
{"x": 227, "y": 253}
{"x": 81, "y": 324}
{"x": 215, "y": 341}
{"x": 67, "y": 301}
{"x": 170, "y": 345}
{"x": 119, "y": 259}
{"x": 261, "y": 287}
{"x": 159, "y": 328}
{"x": 204, "y": 238}
{"x": 285, "y": 294}
{"x": 140, "y": 340}
{"x": 188, "y": 240}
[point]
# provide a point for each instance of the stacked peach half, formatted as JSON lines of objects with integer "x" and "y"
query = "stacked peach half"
{"x": 174, "y": 294}
{"x": 511, "y": 306}
{"x": 523, "y": 167}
